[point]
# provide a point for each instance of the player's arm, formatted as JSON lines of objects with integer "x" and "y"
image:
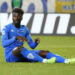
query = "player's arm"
{"x": 31, "y": 43}
{"x": 5, "y": 40}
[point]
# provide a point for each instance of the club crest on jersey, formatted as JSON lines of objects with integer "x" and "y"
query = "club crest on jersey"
{"x": 23, "y": 31}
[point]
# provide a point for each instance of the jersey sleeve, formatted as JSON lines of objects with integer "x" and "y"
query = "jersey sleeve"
{"x": 31, "y": 43}
{"x": 4, "y": 39}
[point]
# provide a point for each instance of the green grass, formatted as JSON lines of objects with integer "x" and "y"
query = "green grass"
{"x": 64, "y": 46}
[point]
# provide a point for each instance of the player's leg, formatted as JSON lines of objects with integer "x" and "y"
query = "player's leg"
{"x": 31, "y": 55}
{"x": 15, "y": 56}
{"x": 19, "y": 51}
{"x": 49, "y": 55}
{"x": 59, "y": 59}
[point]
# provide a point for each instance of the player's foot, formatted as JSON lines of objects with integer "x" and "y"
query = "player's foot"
{"x": 52, "y": 60}
{"x": 71, "y": 61}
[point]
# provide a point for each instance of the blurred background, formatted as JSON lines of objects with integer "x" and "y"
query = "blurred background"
{"x": 34, "y": 6}
{"x": 50, "y": 17}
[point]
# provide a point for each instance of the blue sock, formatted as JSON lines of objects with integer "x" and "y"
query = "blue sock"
{"x": 59, "y": 59}
{"x": 33, "y": 57}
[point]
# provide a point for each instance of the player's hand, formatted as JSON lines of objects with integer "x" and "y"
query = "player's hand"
{"x": 37, "y": 40}
{"x": 25, "y": 39}
{"x": 21, "y": 38}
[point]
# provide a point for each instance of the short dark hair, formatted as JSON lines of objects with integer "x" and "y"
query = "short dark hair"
{"x": 18, "y": 10}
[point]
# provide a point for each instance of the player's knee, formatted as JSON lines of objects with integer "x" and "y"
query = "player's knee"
{"x": 44, "y": 51}
{"x": 17, "y": 51}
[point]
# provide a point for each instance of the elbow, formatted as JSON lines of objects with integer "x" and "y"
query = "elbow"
{"x": 32, "y": 47}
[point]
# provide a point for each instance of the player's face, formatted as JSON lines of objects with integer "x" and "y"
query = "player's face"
{"x": 17, "y": 18}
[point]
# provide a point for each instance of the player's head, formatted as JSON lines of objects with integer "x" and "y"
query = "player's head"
{"x": 17, "y": 14}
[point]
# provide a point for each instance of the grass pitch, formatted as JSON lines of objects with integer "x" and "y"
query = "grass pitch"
{"x": 64, "y": 46}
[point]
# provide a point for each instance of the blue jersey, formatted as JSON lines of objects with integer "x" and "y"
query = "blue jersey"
{"x": 9, "y": 41}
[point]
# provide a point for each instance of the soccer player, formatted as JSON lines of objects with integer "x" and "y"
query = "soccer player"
{"x": 13, "y": 37}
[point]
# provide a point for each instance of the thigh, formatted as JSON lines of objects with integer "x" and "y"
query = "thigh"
{"x": 35, "y": 51}
{"x": 31, "y": 51}
{"x": 31, "y": 55}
